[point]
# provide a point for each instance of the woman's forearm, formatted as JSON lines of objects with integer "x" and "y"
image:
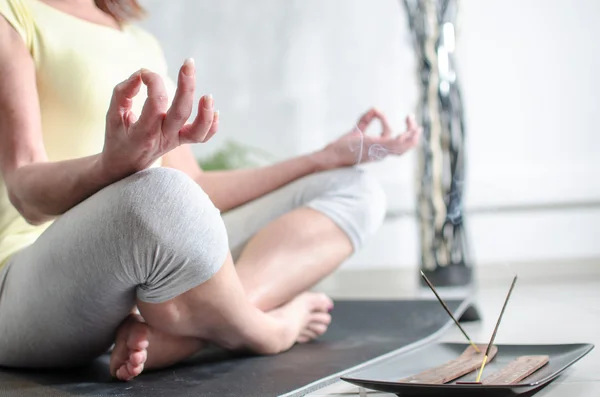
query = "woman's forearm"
{"x": 230, "y": 189}
{"x": 44, "y": 190}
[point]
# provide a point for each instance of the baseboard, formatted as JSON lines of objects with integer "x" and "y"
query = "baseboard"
{"x": 546, "y": 271}
{"x": 403, "y": 282}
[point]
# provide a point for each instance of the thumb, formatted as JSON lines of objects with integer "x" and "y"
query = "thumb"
{"x": 122, "y": 98}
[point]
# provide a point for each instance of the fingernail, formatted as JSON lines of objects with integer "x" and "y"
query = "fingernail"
{"x": 134, "y": 76}
{"x": 189, "y": 67}
{"x": 412, "y": 116}
{"x": 216, "y": 117}
{"x": 208, "y": 102}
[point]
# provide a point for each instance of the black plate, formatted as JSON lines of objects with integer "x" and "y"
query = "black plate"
{"x": 384, "y": 375}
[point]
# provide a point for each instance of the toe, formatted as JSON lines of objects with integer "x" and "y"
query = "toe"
{"x": 138, "y": 337}
{"x": 320, "y": 317}
{"x": 123, "y": 373}
{"x": 307, "y": 335}
{"x": 322, "y": 303}
{"x": 317, "y": 328}
{"x": 138, "y": 357}
{"x": 129, "y": 355}
{"x": 303, "y": 339}
{"x": 134, "y": 370}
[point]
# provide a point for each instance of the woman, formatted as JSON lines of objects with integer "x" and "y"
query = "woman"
{"x": 109, "y": 231}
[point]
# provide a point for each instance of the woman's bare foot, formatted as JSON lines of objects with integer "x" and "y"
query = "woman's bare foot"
{"x": 129, "y": 354}
{"x": 139, "y": 346}
{"x": 306, "y": 316}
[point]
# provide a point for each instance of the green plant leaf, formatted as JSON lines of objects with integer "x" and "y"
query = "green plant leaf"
{"x": 234, "y": 155}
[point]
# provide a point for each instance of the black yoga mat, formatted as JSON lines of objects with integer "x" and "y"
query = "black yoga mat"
{"x": 361, "y": 332}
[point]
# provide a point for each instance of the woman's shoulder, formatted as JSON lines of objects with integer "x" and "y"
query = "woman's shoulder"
{"x": 17, "y": 13}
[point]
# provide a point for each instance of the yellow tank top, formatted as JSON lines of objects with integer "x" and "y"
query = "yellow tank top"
{"x": 78, "y": 63}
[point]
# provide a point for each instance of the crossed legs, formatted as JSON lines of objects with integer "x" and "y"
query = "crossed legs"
{"x": 81, "y": 278}
{"x": 284, "y": 243}
{"x": 287, "y": 241}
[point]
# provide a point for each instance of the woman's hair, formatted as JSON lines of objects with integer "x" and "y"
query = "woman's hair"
{"x": 121, "y": 10}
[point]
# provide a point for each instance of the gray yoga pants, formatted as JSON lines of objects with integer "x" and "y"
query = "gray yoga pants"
{"x": 151, "y": 236}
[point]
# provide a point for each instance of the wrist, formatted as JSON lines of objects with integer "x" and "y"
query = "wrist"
{"x": 323, "y": 160}
{"x": 104, "y": 173}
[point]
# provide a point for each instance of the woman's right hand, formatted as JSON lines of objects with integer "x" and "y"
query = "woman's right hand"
{"x": 133, "y": 144}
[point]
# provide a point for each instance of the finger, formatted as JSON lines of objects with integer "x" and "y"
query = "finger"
{"x": 213, "y": 128}
{"x": 412, "y": 128}
{"x": 122, "y": 98}
{"x": 130, "y": 118}
{"x": 181, "y": 108}
{"x": 417, "y": 136}
{"x": 386, "y": 129}
{"x": 365, "y": 120}
{"x": 198, "y": 130}
{"x": 156, "y": 104}
{"x": 411, "y": 122}
{"x": 411, "y": 134}
{"x": 406, "y": 141}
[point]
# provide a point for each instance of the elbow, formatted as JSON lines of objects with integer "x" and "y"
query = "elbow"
{"x": 30, "y": 215}
{"x": 35, "y": 219}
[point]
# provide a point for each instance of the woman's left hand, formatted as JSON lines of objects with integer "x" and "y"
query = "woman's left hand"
{"x": 356, "y": 147}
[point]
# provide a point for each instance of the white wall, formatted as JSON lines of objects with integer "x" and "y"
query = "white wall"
{"x": 289, "y": 76}
{"x": 530, "y": 71}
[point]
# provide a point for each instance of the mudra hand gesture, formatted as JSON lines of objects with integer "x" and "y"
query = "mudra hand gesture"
{"x": 133, "y": 143}
{"x": 356, "y": 147}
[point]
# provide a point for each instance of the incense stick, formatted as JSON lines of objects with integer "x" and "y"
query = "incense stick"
{"x": 449, "y": 312}
{"x": 485, "y": 357}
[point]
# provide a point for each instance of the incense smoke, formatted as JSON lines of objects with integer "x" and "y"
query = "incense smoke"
{"x": 374, "y": 152}
{"x": 377, "y": 152}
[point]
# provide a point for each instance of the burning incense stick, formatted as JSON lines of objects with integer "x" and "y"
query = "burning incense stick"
{"x": 485, "y": 357}
{"x": 449, "y": 312}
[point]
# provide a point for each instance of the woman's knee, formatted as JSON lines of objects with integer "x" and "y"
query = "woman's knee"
{"x": 172, "y": 234}
{"x": 369, "y": 198}
{"x": 355, "y": 200}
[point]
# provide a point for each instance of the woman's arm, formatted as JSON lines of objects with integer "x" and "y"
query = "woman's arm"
{"x": 232, "y": 188}
{"x": 41, "y": 190}
{"x": 229, "y": 189}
